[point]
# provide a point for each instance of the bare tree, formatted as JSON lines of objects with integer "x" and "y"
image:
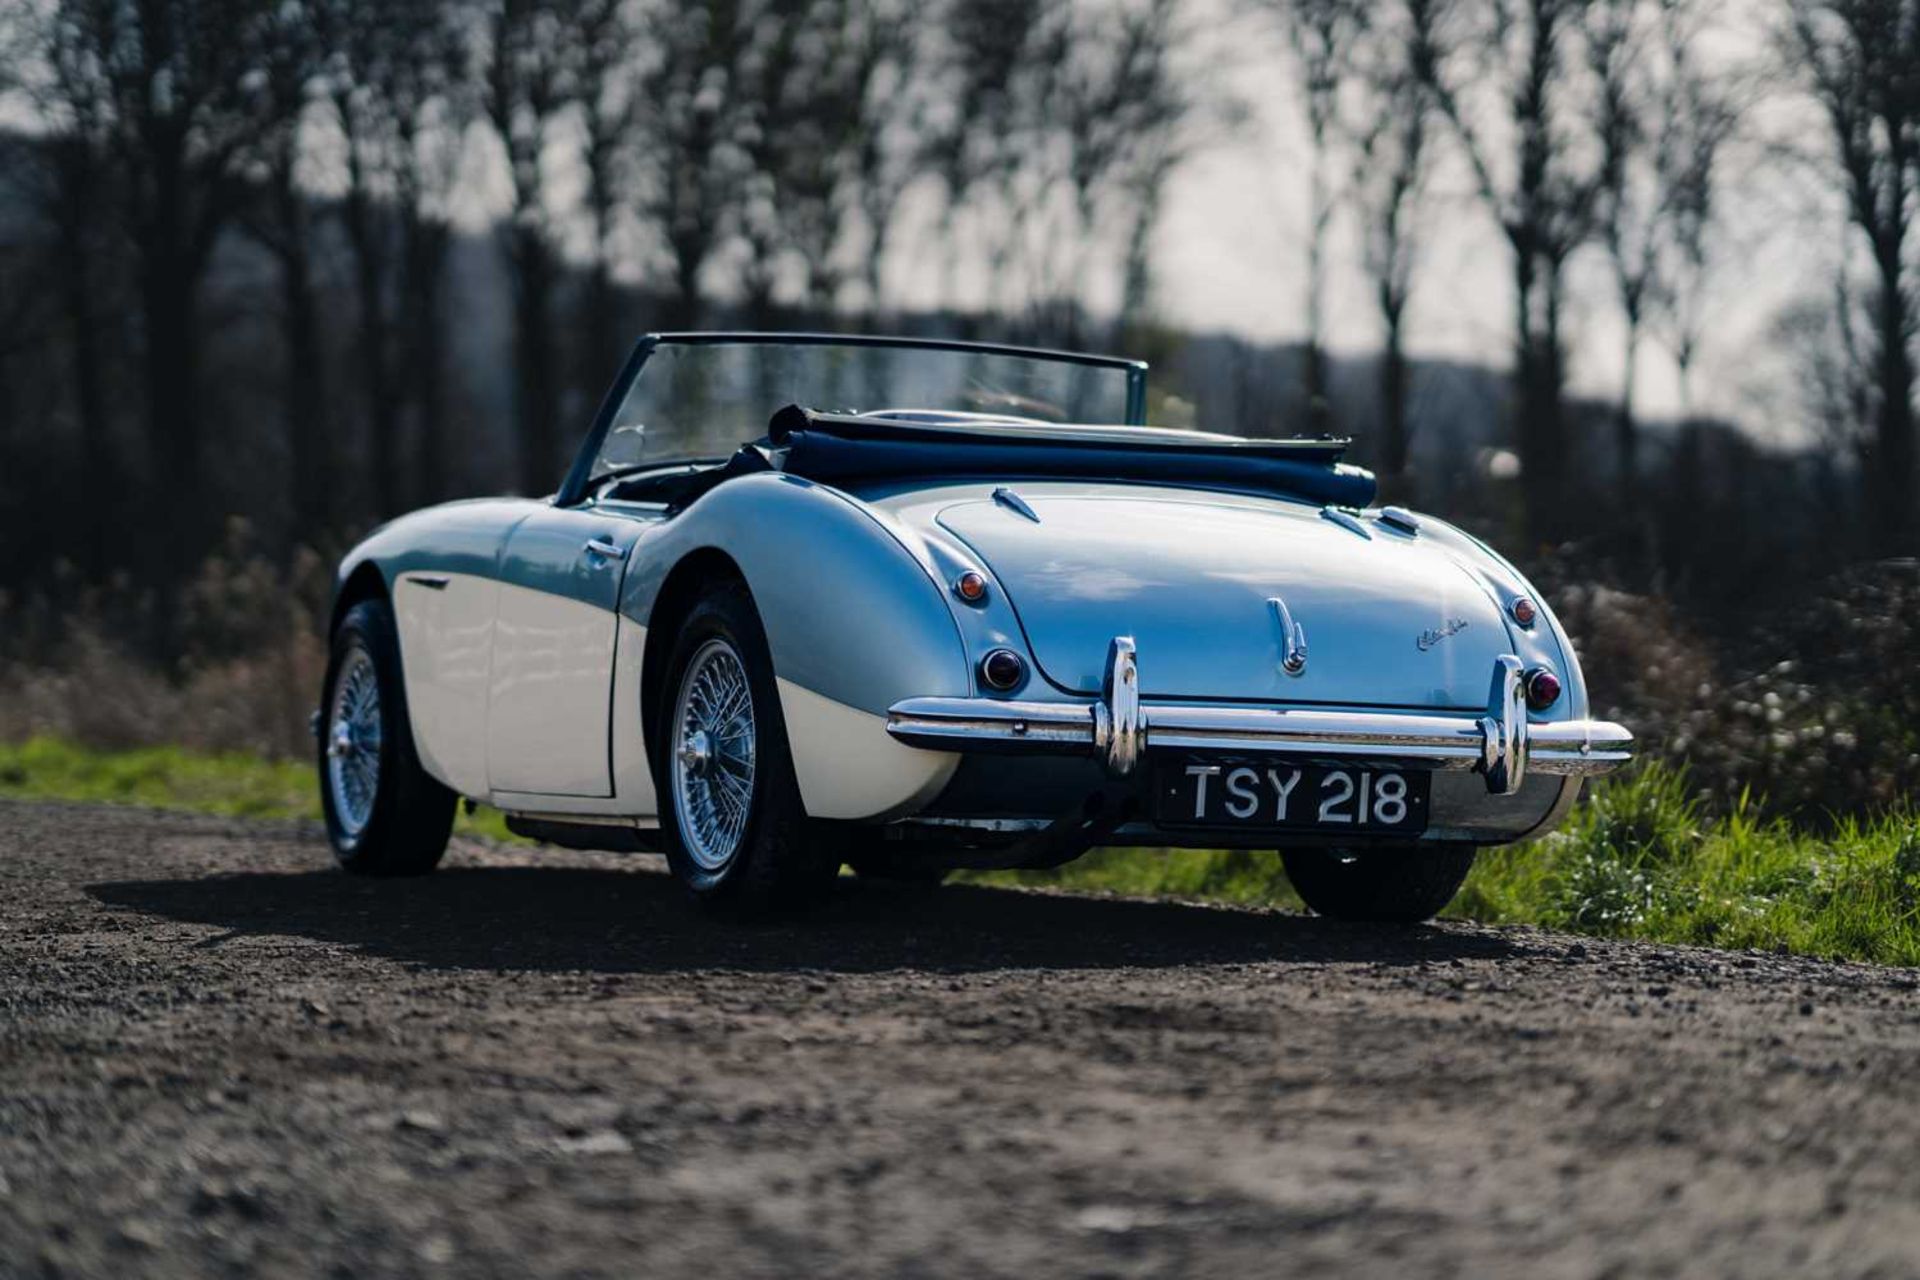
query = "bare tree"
{"x": 1510, "y": 90}
{"x": 1125, "y": 119}
{"x": 1861, "y": 61}
{"x": 168, "y": 84}
{"x": 891, "y": 119}
{"x": 1635, "y": 163}
{"x": 430, "y": 99}
{"x": 1322, "y": 35}
{"x": 524, "y": 90}
{"x": 993, "y": 61}
{"x": 689, "y": 117}
{"x": 359, "y": 36}
{"x": 604, "y": 42}
{"x": 71, "y": 181}
{"x": 281, "y": 221}
{"x": 1661, "y": 122}
{"x": 1702, "y": 114}
{"x": 799, "y": 97}
{"x": 1392, "y": 154}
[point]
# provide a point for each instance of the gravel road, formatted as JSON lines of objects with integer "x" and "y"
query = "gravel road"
{"x": 219, "y": 1056}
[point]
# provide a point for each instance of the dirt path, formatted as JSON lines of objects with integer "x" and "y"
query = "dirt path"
{"x": 219, "y": 1056}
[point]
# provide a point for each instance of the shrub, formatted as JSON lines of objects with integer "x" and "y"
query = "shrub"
{"x": 78, "y": 664}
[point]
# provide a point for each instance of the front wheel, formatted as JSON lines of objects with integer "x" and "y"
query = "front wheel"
{"x": 386, "y": 816}
{"x": 1390, "y": 886}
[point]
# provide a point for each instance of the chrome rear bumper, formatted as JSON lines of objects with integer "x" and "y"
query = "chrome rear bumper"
{"x": 1502, "y": 744}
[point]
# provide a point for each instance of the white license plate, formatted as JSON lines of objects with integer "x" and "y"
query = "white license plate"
{"x": 1274, "y": 793}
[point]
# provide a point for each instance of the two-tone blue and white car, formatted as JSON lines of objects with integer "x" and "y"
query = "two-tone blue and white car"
{"x": 910, "y": 605}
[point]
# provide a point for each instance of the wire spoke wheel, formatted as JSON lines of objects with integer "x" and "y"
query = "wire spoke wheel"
{"x": 354, "y": 730}
{"x": 713, "y": 755}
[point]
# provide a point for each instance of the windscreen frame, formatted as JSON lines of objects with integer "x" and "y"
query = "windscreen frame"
{"x": 579, "y": 479}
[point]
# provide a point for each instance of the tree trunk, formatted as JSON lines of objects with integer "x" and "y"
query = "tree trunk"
{"x": 309, "y": 452}
{"x": 533, "y": 346}
{"x": 1550, "y": 411}
{"x": 83, "y": 336}
{"x": 383, "y": 410}
{"x": 170, "y": 314}
{"x": 1541, "y": 435}
{"x": 1319, "y": 410}
{"x": 1625, "y": 433}
{"x": 602, "y": 342}
{"x": 1891, "y": 478}
{"x": 1526, "y": 378}
{"x": 689, "y": 253}
{"x": 425, "y": 267}
{"x": 1397, "y": 482}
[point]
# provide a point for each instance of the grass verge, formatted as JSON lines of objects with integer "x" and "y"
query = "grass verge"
{"x": 230, "y": 783}
{"x": 1639, "y": 859}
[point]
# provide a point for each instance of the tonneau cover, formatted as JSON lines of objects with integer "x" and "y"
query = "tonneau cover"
{"x": 838, "y": 447}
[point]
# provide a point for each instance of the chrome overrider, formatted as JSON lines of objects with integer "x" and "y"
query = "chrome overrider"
{"x": 1501, "y": 744}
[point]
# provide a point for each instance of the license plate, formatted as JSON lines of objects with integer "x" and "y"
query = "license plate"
{"x": 1267, "y": 793}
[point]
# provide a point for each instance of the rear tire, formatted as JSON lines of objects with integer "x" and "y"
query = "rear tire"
{"x": 385, "y": 814}
{"x": 734, "y": 828}
{"x": 1385, "y": 886}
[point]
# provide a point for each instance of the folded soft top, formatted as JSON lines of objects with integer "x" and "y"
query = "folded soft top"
{"x": 836, "y": 447}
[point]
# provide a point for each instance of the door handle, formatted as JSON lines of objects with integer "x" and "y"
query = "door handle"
{"x": 601, "y": 549}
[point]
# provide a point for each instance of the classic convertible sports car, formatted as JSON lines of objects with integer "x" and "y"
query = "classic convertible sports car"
{"x": 911, "y": 605}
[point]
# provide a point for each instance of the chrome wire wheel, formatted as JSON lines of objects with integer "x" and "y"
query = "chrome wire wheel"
{"x": 713, "y": 755}
{"x": 353, "y": 742}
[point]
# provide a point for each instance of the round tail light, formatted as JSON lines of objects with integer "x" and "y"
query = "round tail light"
{"x": 1003, "y": 669}
{"x": 970, "y": 586}
{"x": 1543, "y": 688}
{"x": 1523, "y": 611}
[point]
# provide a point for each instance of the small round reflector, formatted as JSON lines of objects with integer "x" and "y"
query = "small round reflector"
{"x": 1523, "y": 611}
{"x": 971, "y": 587}
{"x": 1543, "y": 688}
{"x": 1003, "y": 669}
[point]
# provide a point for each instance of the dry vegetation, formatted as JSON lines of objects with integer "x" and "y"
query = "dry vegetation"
{"x": 74, "y": 666}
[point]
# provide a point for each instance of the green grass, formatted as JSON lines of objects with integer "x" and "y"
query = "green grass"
{"x": 1640, "y": 858}
{"x": 233, "y": 784}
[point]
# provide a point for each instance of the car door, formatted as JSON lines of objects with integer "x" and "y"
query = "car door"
{"x": 556, "y": 628}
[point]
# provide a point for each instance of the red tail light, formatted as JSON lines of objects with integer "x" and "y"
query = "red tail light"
{"x": 1543, "y": 688}
{"x": 1003, "y": 669}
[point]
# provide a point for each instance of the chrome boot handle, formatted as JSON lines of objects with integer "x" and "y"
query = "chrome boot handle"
{"x": 1293, "y": 638}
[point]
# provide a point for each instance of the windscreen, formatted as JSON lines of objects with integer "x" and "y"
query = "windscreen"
{"x": 705, "y": 399}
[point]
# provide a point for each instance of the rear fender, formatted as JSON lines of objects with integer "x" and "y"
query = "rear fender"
{"x": 854, "y": 622}
{"x": 1544, "y": 643}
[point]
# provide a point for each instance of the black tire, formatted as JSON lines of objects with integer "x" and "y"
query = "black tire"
{"x": 406, "y": 831}
{"x": 1386, "y": 886}
{"x": 780, "y": 860}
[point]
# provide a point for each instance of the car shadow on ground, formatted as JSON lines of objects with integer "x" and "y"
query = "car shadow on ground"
{"x": 633, "y": 921}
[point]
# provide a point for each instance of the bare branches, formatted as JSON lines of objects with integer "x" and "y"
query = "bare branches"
{"x": 1860, "y": 60}
{"x": 1660, "y": 123}
{"x": 1392, "y": 154}
{"x": 1513, "y": 88}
